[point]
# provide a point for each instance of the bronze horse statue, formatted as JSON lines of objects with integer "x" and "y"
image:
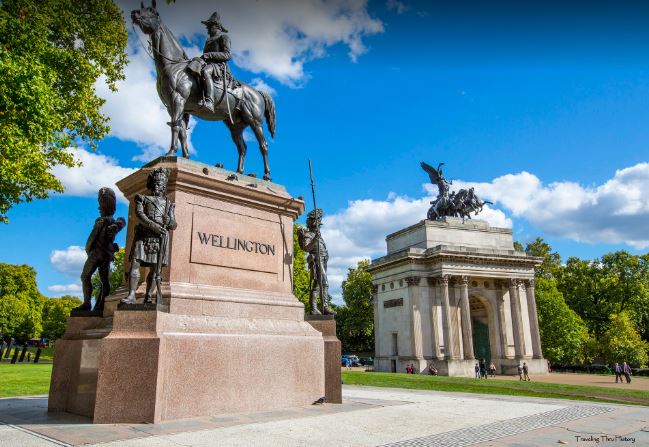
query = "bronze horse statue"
{"x": 181, "y": 92}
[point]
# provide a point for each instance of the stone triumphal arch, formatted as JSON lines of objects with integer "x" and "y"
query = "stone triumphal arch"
{"x": 449, "y": 293}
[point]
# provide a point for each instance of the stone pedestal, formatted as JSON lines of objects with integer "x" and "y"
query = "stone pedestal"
{"x": 228, "y": 335}
{"x": 326, "y": 325}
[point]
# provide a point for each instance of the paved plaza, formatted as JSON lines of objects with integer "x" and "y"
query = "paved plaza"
{"x": 368, "y": 417}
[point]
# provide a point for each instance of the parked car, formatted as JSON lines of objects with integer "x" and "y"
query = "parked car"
{"x": 367, "y": 361}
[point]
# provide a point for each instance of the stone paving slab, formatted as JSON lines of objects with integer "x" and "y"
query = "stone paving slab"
{"x": 368, "y": 417}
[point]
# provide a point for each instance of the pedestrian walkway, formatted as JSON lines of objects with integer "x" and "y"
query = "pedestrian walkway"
{"x": 604, "y": 380}
{"x": 368, "y": 417}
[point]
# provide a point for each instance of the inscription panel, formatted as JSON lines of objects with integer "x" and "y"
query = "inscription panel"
{"x": 393, "y": 303}
{"x": 224, "y": 239}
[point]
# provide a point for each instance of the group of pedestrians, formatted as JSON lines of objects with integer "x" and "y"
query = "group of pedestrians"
{"x": 481, "y": 369}
{"x": 620, "y": 370}
{"x": 410, "y": 369}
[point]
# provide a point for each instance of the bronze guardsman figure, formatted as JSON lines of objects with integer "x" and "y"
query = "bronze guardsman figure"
{"x": 216, "y": 55}
{"x": 311, "y": 241}
{"x": 151, "y": 242}
{"x": 101, "y": 249}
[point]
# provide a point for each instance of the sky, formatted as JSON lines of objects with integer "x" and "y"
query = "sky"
{"x": 541, "y": 106}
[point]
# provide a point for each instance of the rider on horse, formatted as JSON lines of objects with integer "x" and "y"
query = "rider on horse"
{"x": 216, "y": 54}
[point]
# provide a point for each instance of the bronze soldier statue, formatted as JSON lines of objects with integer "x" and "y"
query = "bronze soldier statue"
{"x": 311, "y": 241}
{"x": 151, "y": 242}
{"x": 216, "y": 55}
{"x": 101, "y": 249}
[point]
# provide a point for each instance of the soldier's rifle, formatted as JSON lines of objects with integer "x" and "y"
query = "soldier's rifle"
{"x": 164, "y": 241}
{"x": 318, "y": 237}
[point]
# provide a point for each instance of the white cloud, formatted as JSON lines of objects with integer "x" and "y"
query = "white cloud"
{"x": 358, "y": 232}
{"x": 260, "y": 85}
{"x": 69, "y": 261}
{"x": 616, "y": 211}
{"x": 97, "y": 171}
{"x": 398, "y": 6}
{"x": 66, "y": 289}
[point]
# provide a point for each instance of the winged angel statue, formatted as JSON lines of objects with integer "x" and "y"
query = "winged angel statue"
{"x": 460, "y": 204}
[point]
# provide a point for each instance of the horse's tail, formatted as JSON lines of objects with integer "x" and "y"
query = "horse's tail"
{"x": 269, "y": 113}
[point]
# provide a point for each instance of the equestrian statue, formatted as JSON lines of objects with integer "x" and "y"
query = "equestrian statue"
{"x": 451, "y": 204}
{"x": 203, "y": 86}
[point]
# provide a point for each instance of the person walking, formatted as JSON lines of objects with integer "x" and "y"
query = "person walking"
{"x": 477, "y": 370}
{"x": 526, "y": 376}
{"x": 520, "y": 372}
{"x": 348, "y": 363}
{"x": 617, "y": 369}
{"x": 626, "y": 370}
{"x": 483, "y": 369}
{"x": 492, "y": 369}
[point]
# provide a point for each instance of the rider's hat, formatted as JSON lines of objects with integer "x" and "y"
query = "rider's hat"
{"x": 215, "y": 19}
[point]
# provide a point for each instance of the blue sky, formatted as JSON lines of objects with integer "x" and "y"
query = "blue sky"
{"x": 542, "y": 107}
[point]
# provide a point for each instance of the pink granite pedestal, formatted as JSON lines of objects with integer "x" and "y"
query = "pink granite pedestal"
{"x": 229, "y": 336}
{"x": 326, "y": 325}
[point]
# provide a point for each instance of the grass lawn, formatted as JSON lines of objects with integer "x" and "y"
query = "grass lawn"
{"x": 24, "y": 380}
{"x": 509, "y": 387}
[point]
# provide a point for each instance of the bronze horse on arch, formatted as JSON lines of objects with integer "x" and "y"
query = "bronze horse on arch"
{"x": 181, "y": 93}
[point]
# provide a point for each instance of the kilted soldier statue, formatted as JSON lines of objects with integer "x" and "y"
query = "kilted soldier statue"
{"x": 311, "y": 241}
{"x": 101, "y": 249}
{"x": 151, "y": 242}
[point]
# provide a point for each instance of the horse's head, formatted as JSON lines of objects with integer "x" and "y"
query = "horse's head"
{"x": 147, "y": 18}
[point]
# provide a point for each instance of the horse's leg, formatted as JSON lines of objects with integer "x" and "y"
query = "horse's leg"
{"x": 182, "y": 134}
{"x": 236, "y": 131}
{"x": 263, "y": 146}
{"x": 176, "y": 112}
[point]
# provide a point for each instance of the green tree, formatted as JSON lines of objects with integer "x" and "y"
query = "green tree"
{"x": 518, "y": 246}
{"x": 52, "y": 53}
{"x": 56, "y": 312}
{"x": 20, "y": 302}
{"x": 15, "y": 318}
{"x": 622, "y": 343}
{"x": 626, "y": 286}
{"x": 583, "y": 289}
{"x": 300, "y": 273}
{"x": 355, "y": 319}
{"x": 619, "y": 282}
{"x": 551, "y": 265}
{"x": 116, "y": 276}
{"x": 564, "y": 336}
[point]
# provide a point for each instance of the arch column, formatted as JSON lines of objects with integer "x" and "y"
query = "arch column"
{"x": 517, "y": 326}
{"x": 434, "y": 327}
{"x": 502, "y": 320}
{"x": 415, "y": 314}
{"x": 449, "y": 346}
{"x": 465, "y": 311}
{"x": 534, "y": 319}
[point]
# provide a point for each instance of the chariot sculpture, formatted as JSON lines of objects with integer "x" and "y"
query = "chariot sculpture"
{"x": 452, "y": 204}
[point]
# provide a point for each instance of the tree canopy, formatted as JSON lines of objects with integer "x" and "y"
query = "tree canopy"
{"x": 622, "y": 343}
{"x": 52, "y": 52}
{"x": 56, "y": 312}
{"x": 564, "y": 336}
{"x": 300, "y": 273}
{"x": 20, "y": 302}
{"x": 355, "y": 319}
